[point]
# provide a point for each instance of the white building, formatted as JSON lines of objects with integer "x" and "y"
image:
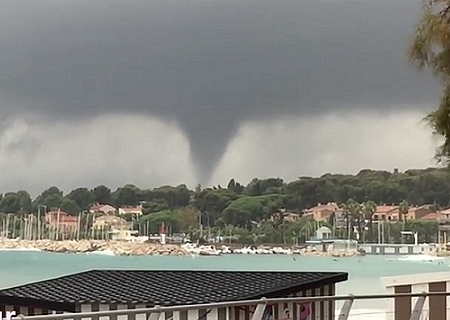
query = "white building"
{"x": 136, "y": 210}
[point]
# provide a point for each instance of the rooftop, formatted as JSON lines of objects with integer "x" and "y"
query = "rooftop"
{"x": 151, "y": 288}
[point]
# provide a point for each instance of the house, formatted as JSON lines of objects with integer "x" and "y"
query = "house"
{"x": 386, "y": 213}
{"x": 136, "y": 210}
{"x": 445, "y": 213}
{"x": 134, "y": 289}
{"x": 113, "y": 222}
{"x": 285, "y": 215}
{"x": 62, "y": 221}
{"x": 323, "y": 212}
{"x": 291, "y": 217}
{"x": 419, "y": 212}
{"x": 433, "y": 216}
{"x": 102, "y": 208}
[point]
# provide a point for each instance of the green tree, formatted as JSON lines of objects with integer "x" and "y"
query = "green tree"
{"x": 212, "y": 202}
{"x": 352, "y": 211}
{"x": 10, "y": 203}
{"x": 155, "y": 206}
{"x": 369, "y": 208}
{"x": 101, "y": 194}
{"x": 69, "y": 205}
{"x": 51, "y": 198}
{"x": 403, "y": 210}
{"x": 155, "y": 220}
{"x": 82, "y": 197}
{"x": 242, "y": 211}
{"x": 235, "y": 187}
{"x": 258, "y": 187}
{"x": 431, "y": 49}
{"x": 128, "y": 195}
{"x": 187, "y": 219}
{"x": 26, "y": 204}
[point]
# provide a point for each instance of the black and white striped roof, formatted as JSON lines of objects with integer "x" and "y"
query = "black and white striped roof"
{"x": 151, "y": 288}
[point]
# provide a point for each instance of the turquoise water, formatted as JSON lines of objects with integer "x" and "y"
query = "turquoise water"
{"x": 18, "y": 267}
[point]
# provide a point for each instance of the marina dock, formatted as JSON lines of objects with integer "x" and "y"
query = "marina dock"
{"x": 398, "y": 249}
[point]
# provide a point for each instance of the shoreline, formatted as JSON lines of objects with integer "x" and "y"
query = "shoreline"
{"x": 117, "y": 248}
{"x": 123, "y": 248}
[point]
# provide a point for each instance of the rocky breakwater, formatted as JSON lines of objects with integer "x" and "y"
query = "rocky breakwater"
{"x": 85, "y": 246}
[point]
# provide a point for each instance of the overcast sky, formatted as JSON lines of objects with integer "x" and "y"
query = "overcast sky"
{"x": 152, "y": 93}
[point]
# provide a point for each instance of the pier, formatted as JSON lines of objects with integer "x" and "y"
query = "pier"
{"x": 398, "y": 249}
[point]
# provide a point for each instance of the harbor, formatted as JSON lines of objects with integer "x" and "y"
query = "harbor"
{"x": 135, "y": 248}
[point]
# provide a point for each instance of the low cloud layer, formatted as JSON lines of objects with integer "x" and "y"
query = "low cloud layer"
{"x": 115, "y": 150}
{"x": 111, "y": 150}
{"x": 335, "y": 143}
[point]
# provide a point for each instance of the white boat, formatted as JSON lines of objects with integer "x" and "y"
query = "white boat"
{"x": 191, "y": 248}
{"x": 226, "y": 250}
{"x": 278, "y": 250}
{"x": 209, "y": 251}
{"x": 263, "y": 250}
{"x": 246, "y": 250}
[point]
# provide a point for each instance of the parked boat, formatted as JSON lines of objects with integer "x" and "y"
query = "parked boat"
{"x": 209, "y": 251}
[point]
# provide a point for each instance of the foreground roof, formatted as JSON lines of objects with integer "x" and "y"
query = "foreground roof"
{"x": 151, "y": 288}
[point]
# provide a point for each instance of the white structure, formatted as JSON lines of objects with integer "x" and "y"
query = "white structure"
{"x": 323, "y": 233}
{"x": 123, "y": 235}
{"x": 102, "y": 208}
{"x": 137, "y": 210}
{"x": 435, "y": 308}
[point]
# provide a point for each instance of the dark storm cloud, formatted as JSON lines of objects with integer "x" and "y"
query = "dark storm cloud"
{"x": 207, "y": 64}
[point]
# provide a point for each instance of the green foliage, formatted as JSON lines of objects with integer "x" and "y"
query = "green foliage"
{"x": 10, "y": 203}
{"x": 212, "y": 202}
{"x": 245, "y": 210}
{"x": 155, "y": 220}
{"x": 430, "y": 49}
{"x": 69, "y": 205}
{"x": 258, "y": 187}
{"x": 427, "y": 230}
{"x": 254, "y": 212}
{"x": 127, "y": 195}
{"x": 173, "y": 197}
{"x": 83, "y": 197}
{"x": 155, "y": 206}
{"x": 101, "y": 194}
{"x": 51, "y": 198}
{"x": 235, "y": 187}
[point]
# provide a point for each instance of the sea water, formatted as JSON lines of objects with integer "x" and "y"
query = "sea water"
{"x": 19, "y": 267}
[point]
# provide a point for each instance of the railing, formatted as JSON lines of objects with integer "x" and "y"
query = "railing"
{"x": 155, "y": 312}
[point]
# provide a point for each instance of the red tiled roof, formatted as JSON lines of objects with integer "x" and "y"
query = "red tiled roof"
{"x": 431, "y": 216}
